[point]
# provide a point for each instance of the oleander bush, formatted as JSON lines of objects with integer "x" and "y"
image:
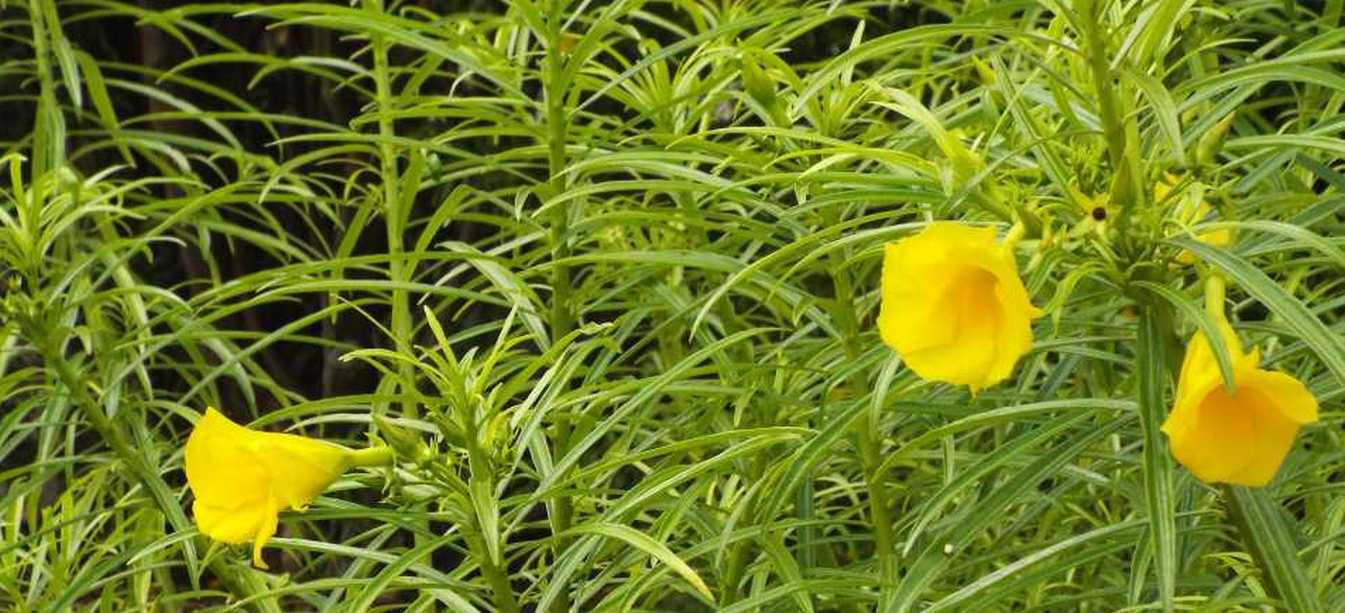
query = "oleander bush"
{"x": 590, "y": 292}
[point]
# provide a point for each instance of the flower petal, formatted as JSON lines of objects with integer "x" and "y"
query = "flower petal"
{"x": 1200, "y": 370}
{"x": 1013, "y": 338}
{"x": 221, "y": 469}
{"x": 1216, "y": 441}
{"x": 301, "y": 467}
{"x": 1274, "y": 438}
{"x": 232, "y": 525}
{"x": 954, "y": 306}
{"x": 1285, "y": 394}
{"x": 266, "y": 530}
{"x": 1243, "y": 437}
{"x": 911, "y": 299}
{"x": 242, "y": 478}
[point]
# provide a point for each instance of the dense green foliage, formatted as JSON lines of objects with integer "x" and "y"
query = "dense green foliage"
{"x": 605, "y": 273}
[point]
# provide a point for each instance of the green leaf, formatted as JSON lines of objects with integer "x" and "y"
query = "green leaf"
{"x": 1269, "y": 535}
{"x": 655, "y": 549}
{"x": 102, "y": 102}
{"x": 1328, "y": 346}
{"x": 932, "y": 561}
{"x": 1165, "y": 111}
{"x": 1159, "y": 501}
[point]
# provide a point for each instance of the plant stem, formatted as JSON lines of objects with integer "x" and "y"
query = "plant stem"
{"x": 1126, "y": 188}
{"x": 499, "y": 584}
{"x": 372, "y": 456}
{"x": 485, "y": 524}
{"x": 561, "y": 319}
{"x": 870, "y": 447}
{"x": 1113, "y": 129}
{"x": 394, "y": 221}
{"x": 557, "y": 125}
{"x": 394, "y": 218}
{"x": 1215, "y": 292}
{"x": 870, "y": 440}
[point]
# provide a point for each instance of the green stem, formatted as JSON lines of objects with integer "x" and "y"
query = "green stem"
{"x": 870, "y": 447}
{"x": 561, "y": 319}
{"x": 372, "y": 456}
{"x": 485, "y": 526}
{"x": 1125, "y": 190}
{"x": 394, "y": 217}
{"x": 394, "y": 221}
{"x": 499, "y": 584}
{"x": 557, "y": 127}
{"x": 1113, "y": 129}
{"x": 733, "y": 575}
{"x": 1215, "y": 292}
{"x": 1014, "y": 236}
{"x": 870, "y": 441}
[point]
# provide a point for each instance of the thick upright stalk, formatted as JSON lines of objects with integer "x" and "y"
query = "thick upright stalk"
{"x": 561, "y": 318}
{"x": 870, "y": 449}
{"x": 1126, "y": 187}
{"x": 485, "y": 528}
{"x": 870, "y": 438}
{"x": 394, "y": 216}
{"x": 557, "y": 129}
{"x": 1113, "y": 128}
{"x": 505, "y": 601}
{"x": 394, "y": 220}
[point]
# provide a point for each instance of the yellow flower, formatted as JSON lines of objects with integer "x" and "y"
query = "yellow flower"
{"x": 243, "y": 478}
{"x": 1239, "y": 438}
{"x": 954, "y": 306}
{"x": 1188, "y": 214}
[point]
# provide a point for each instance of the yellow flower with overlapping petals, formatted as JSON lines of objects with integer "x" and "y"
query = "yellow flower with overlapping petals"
{"x": 243, "y": 478}
{"x": 954, "y": 306}
{"x": 1188, "y": 212}
{"x": 1240, "y": 437}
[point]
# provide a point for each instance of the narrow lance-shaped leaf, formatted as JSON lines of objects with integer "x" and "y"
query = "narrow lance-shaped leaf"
{"x": 1328, "y": 346}
{"x": 1268, "y": 535}
{"x": 1157, "y": 462}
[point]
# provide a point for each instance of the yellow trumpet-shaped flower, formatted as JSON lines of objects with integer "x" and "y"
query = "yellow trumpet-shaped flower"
{"x": 1242, "y": 437}
{"x": 243, "y": 478}
{"x": 954, "y": 306}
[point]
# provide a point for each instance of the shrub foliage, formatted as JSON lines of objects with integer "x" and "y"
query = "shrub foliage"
{"x": 605, "y": 275}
